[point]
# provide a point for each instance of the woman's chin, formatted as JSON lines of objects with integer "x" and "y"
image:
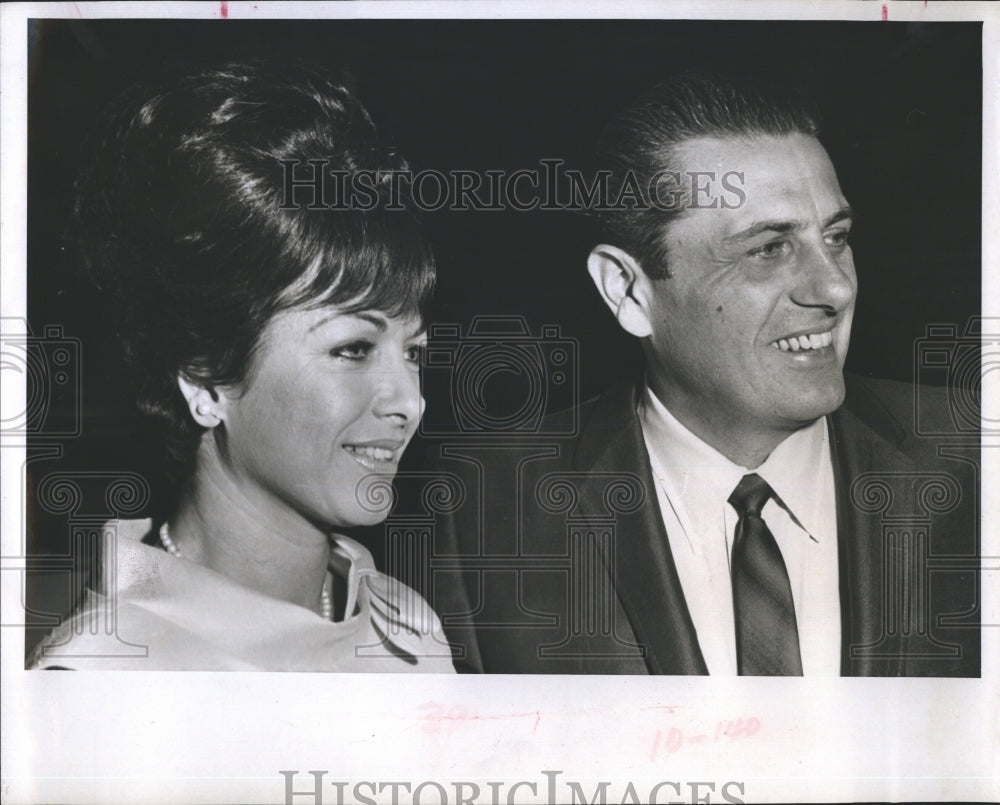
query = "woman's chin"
{"x": 370, "y": 518}
{"x": 374, "y": 497}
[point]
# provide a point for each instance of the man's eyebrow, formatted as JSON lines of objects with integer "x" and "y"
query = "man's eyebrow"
{"x": 784, "y": 226}
{"x": 845, "y": 213}
{"x": 375, "y": 319}
{"x": 756, "y": 228}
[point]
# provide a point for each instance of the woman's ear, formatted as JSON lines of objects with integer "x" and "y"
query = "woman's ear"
{"x": 620, "y": 281}
{"x": 206, "y": 407}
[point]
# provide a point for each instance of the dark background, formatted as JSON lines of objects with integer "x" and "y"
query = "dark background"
{"x": 901, "y": 105}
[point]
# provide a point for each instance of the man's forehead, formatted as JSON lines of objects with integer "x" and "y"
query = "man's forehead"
{"x": 785, "y": 177}
{"x": 752, "y": 152}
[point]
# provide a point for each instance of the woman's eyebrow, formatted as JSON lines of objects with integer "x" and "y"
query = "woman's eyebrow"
{"x": 375, "y": 319}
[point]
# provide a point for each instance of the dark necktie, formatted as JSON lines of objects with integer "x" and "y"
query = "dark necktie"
{"x": 767, "y": 640}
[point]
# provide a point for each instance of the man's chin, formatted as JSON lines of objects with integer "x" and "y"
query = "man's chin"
{"x": 805, "y": 405}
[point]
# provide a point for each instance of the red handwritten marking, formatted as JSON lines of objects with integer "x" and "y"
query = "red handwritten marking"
{"x": 224, "y": 9}
{"x": 437, "y": 718}
{"x": 668, "y": 707}
{"x": 885, "y": 12}
{"x": 667, "y": 742}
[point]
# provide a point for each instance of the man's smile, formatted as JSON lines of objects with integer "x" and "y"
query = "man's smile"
{"x": 804, "y": 342}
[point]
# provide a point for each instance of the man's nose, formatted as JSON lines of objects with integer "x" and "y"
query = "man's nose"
{"x": 825, "y": 279}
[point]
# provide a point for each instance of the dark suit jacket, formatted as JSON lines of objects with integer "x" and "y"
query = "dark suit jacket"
{"x": 557, "y": 560}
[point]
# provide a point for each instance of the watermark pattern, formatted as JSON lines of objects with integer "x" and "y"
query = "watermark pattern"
{"x": 409, "y": 541}
{"x": 315, "y": 787}
{"x": 501, "y": 350}
{"x": 592, "y": 538}
{"x": 51, "y": 366}
{"x": 91, "y": 503}
{"x": 549, "y": 185}
{"x": 906, "y": 504}
{"x": 911, "y": 535}
{"x": 585, "y": 619}
{"x": 961, "y": 364}
{"x": 562, "y": 589}
{"x": 40, "y": 377}
{"x": 15, "y": 568}
{"x": 905, "y": 507}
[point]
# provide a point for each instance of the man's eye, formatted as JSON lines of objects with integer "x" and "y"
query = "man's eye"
{"x": 839, "y": 239}
{"x": 776, "y": 248}
{"x": 355, "y": 351}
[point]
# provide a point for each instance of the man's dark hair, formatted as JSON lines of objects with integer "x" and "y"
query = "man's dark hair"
{"x": 182, "y": 222}
{"x": 642, "y": 142}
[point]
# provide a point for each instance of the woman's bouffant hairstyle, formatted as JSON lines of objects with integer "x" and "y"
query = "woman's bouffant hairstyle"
{"x": 183, "y": 222}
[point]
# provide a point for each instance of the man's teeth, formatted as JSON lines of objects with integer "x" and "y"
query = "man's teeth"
{"x": 376, "y": 453}
{"x": 804, "y": 342}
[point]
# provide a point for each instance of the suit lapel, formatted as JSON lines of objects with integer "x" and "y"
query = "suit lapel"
{"x": 643, "y": 572}
{"x": 864, "y": 444}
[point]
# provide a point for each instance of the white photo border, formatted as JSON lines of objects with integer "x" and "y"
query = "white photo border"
{"x": 105, "y": 737}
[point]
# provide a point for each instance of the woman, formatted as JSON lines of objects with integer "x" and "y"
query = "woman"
{"x": 276, "y": 336}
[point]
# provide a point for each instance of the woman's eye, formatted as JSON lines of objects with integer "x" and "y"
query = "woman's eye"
{"x": 415, "y": 354}
{"x": 776, "y": 248}
{"x": 355, "y": 351}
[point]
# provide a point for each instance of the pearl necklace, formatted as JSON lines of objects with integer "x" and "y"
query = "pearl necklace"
{"x": 325, "y": 597}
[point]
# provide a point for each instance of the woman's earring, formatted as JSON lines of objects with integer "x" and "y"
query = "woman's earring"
{"x": 204, "y": 415}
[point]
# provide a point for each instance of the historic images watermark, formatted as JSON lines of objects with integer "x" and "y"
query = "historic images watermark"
{"x": 554, "y": 790}
{"x": 548, "y": 186}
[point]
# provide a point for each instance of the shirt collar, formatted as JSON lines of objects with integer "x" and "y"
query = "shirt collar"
{"x": 795, "y": 472}
{"x": 695, "y": 473}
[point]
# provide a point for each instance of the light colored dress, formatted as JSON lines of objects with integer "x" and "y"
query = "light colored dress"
{"x": 152, "y": 611}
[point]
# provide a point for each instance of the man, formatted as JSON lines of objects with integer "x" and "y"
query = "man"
{"x": 744, "y": 509}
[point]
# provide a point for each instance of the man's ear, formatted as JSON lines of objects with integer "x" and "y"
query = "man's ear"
{"x": 617, "y": 275}
{"x": 207, "y": 408}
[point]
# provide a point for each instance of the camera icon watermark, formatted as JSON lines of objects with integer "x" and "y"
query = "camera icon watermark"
{"x": 502, "y": 380}
{"x": 967, "y": 366}
{"x": 50, "y": 368}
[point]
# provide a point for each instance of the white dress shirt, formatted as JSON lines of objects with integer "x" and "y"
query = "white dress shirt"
{"x": 694, "y": 485}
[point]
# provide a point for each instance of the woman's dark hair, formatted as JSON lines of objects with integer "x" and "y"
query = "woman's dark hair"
{"x": 641, "y": 144}
{"x": 184, "y": 220}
